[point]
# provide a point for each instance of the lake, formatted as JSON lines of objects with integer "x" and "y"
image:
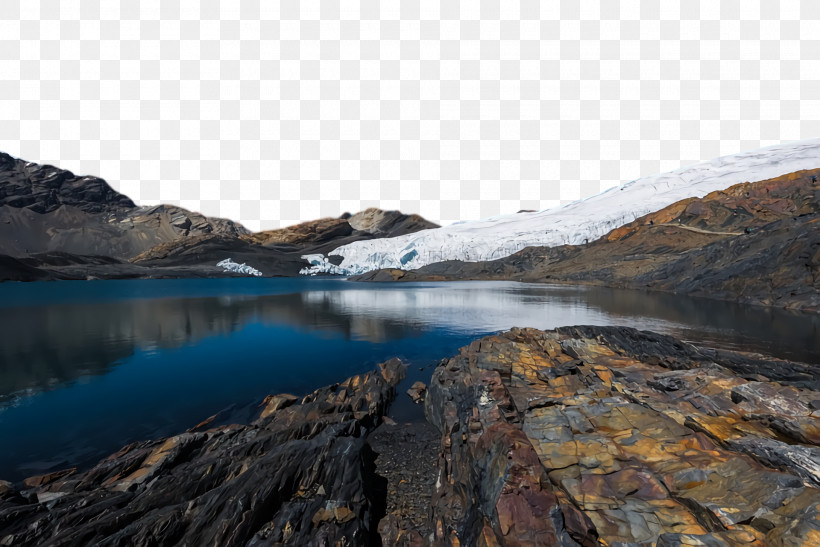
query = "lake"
{"x": 87, "y": 367}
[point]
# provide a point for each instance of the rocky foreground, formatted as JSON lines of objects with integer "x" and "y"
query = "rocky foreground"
{"x": 301, "y": 474}
{"x": 577, "y": 436}
{"x": 591, "y": 436}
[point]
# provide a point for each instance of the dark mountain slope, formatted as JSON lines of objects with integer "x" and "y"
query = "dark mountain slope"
{"x": 46, "y": 211}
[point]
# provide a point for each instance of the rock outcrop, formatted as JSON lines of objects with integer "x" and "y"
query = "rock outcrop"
{"x": 326, "y": 234}
{"x": 45, "y": 188}
{"x": 301, "y": 474}
{"x": 719, "y": 246}
{"x": 382, "y": 223}
{"x": 593, "y": 435}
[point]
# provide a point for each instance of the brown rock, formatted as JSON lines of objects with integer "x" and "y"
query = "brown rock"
{"x": 417, "y": 391}
{"x": 42, "y": 480}
{"x": 272, "y": 403}
{"x": 623, "y": 435}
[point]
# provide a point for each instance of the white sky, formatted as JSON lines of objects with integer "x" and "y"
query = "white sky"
{"x": 276, "y": 112}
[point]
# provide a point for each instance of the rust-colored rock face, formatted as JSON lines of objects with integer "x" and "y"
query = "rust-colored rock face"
{"x": 301, "y": 474}
{"x": 587, "y": 435}
{"x": 746, "y": 205}
{"x": 315, "y": 231}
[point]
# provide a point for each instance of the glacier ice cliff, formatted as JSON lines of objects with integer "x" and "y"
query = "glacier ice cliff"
{"x": 232, "y": 266}
{"x": 574, "y": 223}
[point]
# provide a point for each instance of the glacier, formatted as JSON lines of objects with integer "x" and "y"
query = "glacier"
{"x": 232, "y": 266}
{"x": 574, "y": 223}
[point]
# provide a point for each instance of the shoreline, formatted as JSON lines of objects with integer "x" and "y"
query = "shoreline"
{"x": 401, "y": 276}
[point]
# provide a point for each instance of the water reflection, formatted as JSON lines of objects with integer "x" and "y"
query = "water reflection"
{"x": 80, "y": 378}
{"x": 46, "y": 346}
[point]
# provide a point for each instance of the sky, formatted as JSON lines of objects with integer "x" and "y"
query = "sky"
{"x": 272, "y": 113}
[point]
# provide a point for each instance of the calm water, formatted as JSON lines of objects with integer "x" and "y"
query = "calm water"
{"x": 87, "y": 367}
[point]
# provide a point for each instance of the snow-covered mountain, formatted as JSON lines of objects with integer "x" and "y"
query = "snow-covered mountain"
{"x": 574, "y": 223}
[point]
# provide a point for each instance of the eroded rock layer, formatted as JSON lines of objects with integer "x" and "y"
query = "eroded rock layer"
{"x": 593, "y": 435}
{"x": 301, "y": 474}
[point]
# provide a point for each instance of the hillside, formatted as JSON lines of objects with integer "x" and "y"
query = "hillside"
{"x": 753, "y": 242}
{"x": 56, "y": 225}
{"x": 45, "y": 209}
{"x": 576, "y": 223}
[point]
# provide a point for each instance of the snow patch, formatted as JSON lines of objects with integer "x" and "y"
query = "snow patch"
{"x": 232, "y": 266}
{"x": 578, "y": 222}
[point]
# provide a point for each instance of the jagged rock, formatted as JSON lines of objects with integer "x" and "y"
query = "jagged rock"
{"x": 44, "y": 188}
{"x": 272, "y": 403}
{"x": 799, "y": 459}
{"x": 417, "y": 392}
{"x": 564, "y": 436}
{"x": 7, "y": 490}
{"x": 301, "y": 474}
{"x": 42, "y": 480}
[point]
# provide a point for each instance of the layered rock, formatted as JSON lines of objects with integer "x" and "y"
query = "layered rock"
{"x": 719, "y": 246}
{"x": 45, "y": 188}
{"x": 584, "y": 434}
{"x": 301, "y": 474}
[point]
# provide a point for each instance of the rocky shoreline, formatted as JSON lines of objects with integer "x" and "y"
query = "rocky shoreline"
{"x": 576, "y": 436}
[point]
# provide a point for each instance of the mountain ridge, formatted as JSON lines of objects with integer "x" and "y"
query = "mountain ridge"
{"x": 46, "y": 210}
{"x": 572, "y": 224}
{"x": 718, "y": 246}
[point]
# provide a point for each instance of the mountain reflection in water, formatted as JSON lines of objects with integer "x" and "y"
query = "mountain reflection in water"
{"x": 87, "y": 368}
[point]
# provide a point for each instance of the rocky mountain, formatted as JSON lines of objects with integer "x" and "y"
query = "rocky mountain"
{"x": 56, "y": 225}
{"x": 44, "y": 209}
{"x": 324, "y": 234}
{"x": 280, "y": 252}
{"x": 753, "y": 242}
{"x": 576, "y": 223}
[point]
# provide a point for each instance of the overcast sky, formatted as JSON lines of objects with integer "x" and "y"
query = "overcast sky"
{"x": 274, "y": 112}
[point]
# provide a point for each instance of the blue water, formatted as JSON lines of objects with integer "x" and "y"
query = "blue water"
{"x": 87, "y": 367}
